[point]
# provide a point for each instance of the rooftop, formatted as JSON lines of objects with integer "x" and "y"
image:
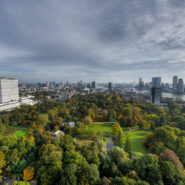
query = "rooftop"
{"x": 5, "y": 78}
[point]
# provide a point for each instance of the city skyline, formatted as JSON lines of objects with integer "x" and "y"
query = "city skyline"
{"x": 102, "y": 41}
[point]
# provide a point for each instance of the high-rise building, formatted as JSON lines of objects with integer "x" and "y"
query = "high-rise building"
{"x": 180, "y": 86}
{"x": 52, "y": 84}
{"x": 175, "y": 82}
{"x": 47, "y": 85}
{"x": 110, "y": 86}
{"x": 141, "y": 83}
{"x": 156, "y": 95}
{"x": 61, "y": 85}
{"x": 80, "y": 84}
{"x": 8, "y": 90}
{"x": 89, "y": 85}
{"x": 9, "y": 95}
{"x": 156, "y": 82}
{"x": 93, "y": 84}
{"x": 156, "y": 90}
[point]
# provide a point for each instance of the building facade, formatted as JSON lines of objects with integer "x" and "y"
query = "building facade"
{"x": 180, "y": 86}
{"x": 156, "y": 82}
{"x": 9, "y": 95}
{"x": 110, "y": 86}
{"x": 156, "y": 90}
{"x": 9, "y": 91}
{"x": 156, "y": 95}
{"x": 93, "y": 84}
{"x": 175, "y": 82}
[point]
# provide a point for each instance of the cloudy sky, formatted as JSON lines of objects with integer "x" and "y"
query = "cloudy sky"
{"x": 102, "y": 40}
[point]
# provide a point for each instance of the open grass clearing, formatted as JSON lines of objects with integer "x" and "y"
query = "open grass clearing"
{"x": 136, "y": 136}
{"x": 102, "y": 127}
{"x": 21, "y": 132}
{"x": 136, "y": 140}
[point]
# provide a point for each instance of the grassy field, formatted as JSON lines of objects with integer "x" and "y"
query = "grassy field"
{"x": 105, "y": 127}
{"x": 136, "y": 136}
{"x": 21, "y": 132}
{"x": 136, "y": 139}
{"x": 43, "y": 118}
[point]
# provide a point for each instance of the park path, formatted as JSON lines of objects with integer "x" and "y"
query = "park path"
{"x": 110, "y": 144}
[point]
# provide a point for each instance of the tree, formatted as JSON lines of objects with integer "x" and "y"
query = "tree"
{"x": 68, "y": 176}
{"x": 181, "y": 149}
{"x": 59, "y": 120}
{"x": 169, "y": 173}
{"x": 105, "y": 181}
{"x": 169, "y": 155}
{"x": 33, "y": 124}
{"x": 117, "y": 154}
{"x": 50, "y": 164}
{"x": 120, "y": 139}
{"x": 148, "y": 169}
{"x": 125, "y": 165}
{"x": 56, "y": 128}
{"x": 88, "y": 174}
{"x": 2, "y": 162}
{"x": 127, "y": 147}
{"x": 123, "y": 181}
{"x": 117, "y": 134}
{"x": 73, "y": 157}
{"x": 28, "y": 173}
{"x": 87, "y": 120}
{"x": 52, "y": 113}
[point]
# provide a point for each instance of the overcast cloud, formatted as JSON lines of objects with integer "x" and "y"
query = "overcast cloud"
{"x": 102, "y": 40}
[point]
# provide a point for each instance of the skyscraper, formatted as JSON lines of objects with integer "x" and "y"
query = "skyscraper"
{"x": 156, "y": 95}
{"x": 141, "y": 83}
{"x": 8, "y": 90}
{"x": 175, "y": 81}
{"x": 93, "y": 84}
{"x": 156, "y": 90}
{"x": 110, "y": 86}
{"x": 180, "y": 86}
{"x": 156, "y": 82}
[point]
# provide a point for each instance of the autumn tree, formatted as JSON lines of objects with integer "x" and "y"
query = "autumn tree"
{"x": 117, "y": 134}
{"x": 169, "y": 155}
{"x": 127, "y": 146}
{"x": 28, "y": 173}
{"x": 2, "y": 162}
{"x": 50, "y": 164}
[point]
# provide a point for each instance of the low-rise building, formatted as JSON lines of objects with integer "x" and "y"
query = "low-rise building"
{"x": 57, "y": 133}
{"x": 27, "y": 100}
{"x": 71, "y": 124}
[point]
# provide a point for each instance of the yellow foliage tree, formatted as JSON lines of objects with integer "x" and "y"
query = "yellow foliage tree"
{"x": 32, "y": 139}
{"x": 56, "y": 128}
{"x": 33, "y": 124}
{"x": 28, "y": 173}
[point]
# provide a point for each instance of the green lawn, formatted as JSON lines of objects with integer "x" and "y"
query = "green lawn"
{"x": 21, "y": 133}
{"x": 136, "y": 136}
{"x": 136, "y": 139}
{"x": 105, "y": 127}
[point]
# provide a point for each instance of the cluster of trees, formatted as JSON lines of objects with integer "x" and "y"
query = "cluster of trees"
{"x": 16, "y": 154}
{"x": 167, "y": 137}
{"x": 101, "y": 107}
{"x": 65, "y": 161}
{"x": 68, "y": 160}
{"x": 25, "y": 115}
